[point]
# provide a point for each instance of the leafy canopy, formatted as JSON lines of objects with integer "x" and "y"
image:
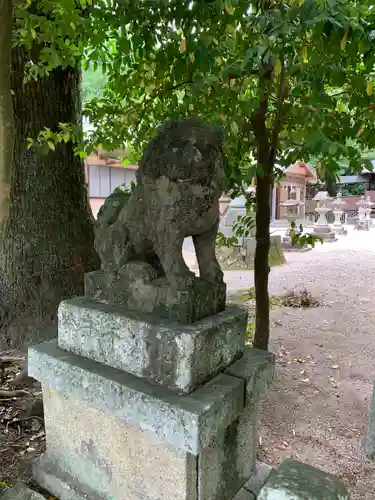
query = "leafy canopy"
{"x": 312, "y": 60}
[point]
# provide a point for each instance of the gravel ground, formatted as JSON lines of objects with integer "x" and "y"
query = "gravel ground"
{"x": 317, "y": 409}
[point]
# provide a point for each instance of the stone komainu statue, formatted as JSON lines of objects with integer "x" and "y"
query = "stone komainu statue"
{"x": 179, "y": 184}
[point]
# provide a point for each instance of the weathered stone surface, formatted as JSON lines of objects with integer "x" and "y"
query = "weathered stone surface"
{"x": 297, "y": 481}
{"x": 92, "y": 455}
{"x": 244, "y": 495}
{"x": 187, "y": 422}
{"x": 287, "y": 245}
{"x": 242, "y": 256}
{"x": 228, "y": 461}
{"x": 258, "y": 477}
{"x": 64, "y": 486}
{"x": 257, "y": 369}
{"x": 20, "y": 492}
{"x": 179, "y": 184}
{"x": 178, "y": 357}
{"x": 136, "y": 288}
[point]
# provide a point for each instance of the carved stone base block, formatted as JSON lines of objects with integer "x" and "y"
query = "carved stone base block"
{"x": 339, "y": 229}
{"x": 286, "y": 244}
{"x": 325, "y": 233}
{"x": 113, "y": 436}
{"x": 180, "y": 357}
{"x": 200, "y": 300}
{"x": 362, "y": 225}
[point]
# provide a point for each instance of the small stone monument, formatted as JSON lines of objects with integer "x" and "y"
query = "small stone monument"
{"x": 241, "y": 255}
{"x": 292, "y": 206}
{"x": 338, "y": 226}
{"x": 362, "y": 223}
{"x": 149, "y": 391}
{"x": 236, "y": 208}
{"x": 321, "y": 226}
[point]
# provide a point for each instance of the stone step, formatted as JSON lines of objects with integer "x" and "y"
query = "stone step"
{"x": 298, "y": 481}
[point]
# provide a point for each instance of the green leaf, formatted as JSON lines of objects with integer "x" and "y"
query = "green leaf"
{"x": 277, "y": 67}
{"x": 344, "y": 39}
{"x": 228, "y": 7}
{"x": 234, "y": 128}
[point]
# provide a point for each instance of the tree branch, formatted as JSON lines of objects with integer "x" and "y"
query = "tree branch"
{"x": 161, "y": 91}
{"x": 258, "y": 122}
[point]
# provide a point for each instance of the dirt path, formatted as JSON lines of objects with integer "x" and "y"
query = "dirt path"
{"x": 317, "y": 409}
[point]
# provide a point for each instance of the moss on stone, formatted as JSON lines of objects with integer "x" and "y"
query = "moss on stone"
{"x": 238, "y": 258}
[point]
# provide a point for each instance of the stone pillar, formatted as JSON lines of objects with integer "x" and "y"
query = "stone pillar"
{"x": 139, "y": 406}
{"x": 338, "y": 226}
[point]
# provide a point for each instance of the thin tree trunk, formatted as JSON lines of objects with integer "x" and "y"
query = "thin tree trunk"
{"x": 6, "y": 110}
{"x": 48, "y": 242}
{"x": 261, "y": 266}
{"x": 262, "y": 218}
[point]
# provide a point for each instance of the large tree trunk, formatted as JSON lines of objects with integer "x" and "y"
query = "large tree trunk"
{"x": 6, "y": 110}
{"x": 48, "y": 242}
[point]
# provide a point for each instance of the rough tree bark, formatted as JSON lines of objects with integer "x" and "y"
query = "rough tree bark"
{"x": 265, "y": 160}
{"x": 48, "y": 241}
{"x": 6, "y": 110}
{"x": 261, "y": 264}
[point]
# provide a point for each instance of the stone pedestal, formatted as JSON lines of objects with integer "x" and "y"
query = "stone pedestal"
{"x": 323, "y": 230}
{"x": 242, "y": 256}
{"x": 236, "y": 208}
{"x": 139, "y": 407}
{"x": 156, "y": 296}
{"x": 287, "y": 244}
{"x": 338, "y": 227}
{"x": 362, "y": 224}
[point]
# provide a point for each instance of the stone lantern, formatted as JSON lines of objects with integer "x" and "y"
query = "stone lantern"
{"x": 362, "y": 224}
{"x": 321, "y": 226}
{"x": 338, "y": 203}
{"x": 292, "y": 213}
